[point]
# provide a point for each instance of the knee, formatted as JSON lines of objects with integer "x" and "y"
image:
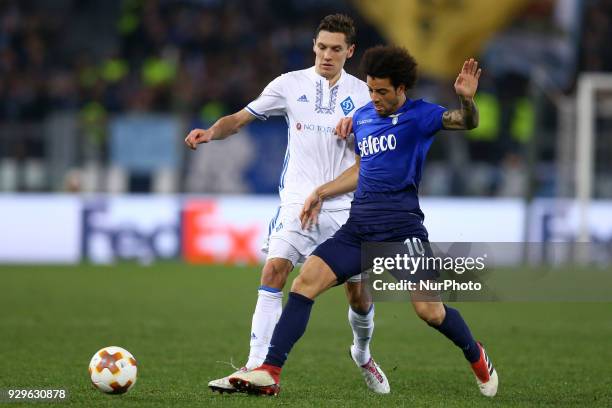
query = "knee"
{"x": 315, "y": 278}
{"x": 274, "y": 273}
{"x": 301, "y": 283}
{"x": 433, "y": 315}
{"x": 307, "y": 283}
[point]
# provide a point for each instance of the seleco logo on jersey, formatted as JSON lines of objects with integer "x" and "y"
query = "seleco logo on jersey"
{"x": 374, "y": 144}
{"x": 347, "y": 105}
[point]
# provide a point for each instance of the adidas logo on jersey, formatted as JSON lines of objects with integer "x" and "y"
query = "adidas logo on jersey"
{"x": 303, "y": 98}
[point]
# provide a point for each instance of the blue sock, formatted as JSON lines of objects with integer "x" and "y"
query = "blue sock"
{"x": 457, "y": 331}
{"x": 290, "y": 327}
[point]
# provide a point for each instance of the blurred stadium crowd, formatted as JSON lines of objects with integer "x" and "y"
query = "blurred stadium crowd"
{"x": 69, "y": 68}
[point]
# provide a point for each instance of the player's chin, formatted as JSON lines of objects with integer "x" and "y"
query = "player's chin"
{"x": 380, "y": 110}
{"x": 327, "y": 67}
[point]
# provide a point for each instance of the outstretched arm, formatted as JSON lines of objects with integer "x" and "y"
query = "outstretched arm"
{"x": 466, "y": 85}
{"x": 224, "y": 127}
{"x": 344, "y": 183}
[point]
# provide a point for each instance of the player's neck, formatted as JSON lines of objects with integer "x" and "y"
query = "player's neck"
{"x": 333, "y": 80}
{"x": 401, "y": 101}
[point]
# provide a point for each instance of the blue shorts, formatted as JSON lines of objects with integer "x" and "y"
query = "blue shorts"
{"x": 342, "y": 252}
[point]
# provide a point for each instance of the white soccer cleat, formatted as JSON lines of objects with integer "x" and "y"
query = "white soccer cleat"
{"x": 489, "y": 389}
{"x": 222, "y": 385}
{"x": 375, "y": 378}
{"x": 485, "y": 373}
{"x": 258, "y": 381}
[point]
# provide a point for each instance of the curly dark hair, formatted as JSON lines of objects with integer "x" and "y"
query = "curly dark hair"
{"x": 338, "y": 23}
{"x": 390, "y": 61}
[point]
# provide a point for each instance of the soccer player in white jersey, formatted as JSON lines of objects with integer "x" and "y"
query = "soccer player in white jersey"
{"x": 313, "y": 101}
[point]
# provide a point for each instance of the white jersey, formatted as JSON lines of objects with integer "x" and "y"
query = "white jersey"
{"x": 315, "y": 155}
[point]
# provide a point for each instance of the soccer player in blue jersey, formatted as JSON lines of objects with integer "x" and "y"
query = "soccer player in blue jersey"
{"x": 392, "y": 137}
{"x": 313, "y": 101}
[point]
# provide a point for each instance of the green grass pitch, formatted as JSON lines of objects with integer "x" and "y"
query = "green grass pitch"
{"x": 180, "y": 321}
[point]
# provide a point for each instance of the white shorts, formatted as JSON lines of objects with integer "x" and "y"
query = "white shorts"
{"x": 287, "y": 240}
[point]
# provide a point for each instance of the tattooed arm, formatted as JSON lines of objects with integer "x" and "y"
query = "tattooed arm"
{"x": 464, "y": 118}
{"x": 465, "y": 86}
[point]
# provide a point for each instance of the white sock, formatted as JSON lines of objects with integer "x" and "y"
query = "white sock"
{"x": 363, "y": 327}
{"x": 267, "y": 312}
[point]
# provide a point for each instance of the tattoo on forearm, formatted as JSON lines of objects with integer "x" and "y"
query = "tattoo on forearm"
{"x": 464, "y": 118}
{"x": 470, "y": 113}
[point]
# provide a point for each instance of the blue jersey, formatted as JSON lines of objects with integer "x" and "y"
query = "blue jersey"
{"x": 392, "y": 150}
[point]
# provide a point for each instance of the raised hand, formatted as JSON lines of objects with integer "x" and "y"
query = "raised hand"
{"x": 466, "y": 83}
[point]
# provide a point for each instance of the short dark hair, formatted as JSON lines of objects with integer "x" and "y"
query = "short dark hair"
{"x": 391, "y": 62}
{"x": 338, "y": 23}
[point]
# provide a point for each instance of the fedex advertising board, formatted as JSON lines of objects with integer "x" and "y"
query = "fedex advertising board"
{"x": 232, "y": 229}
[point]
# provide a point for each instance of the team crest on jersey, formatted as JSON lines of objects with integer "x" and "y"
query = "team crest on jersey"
{"x": 347, "y": 105}
{"x": 394, "y": 118}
